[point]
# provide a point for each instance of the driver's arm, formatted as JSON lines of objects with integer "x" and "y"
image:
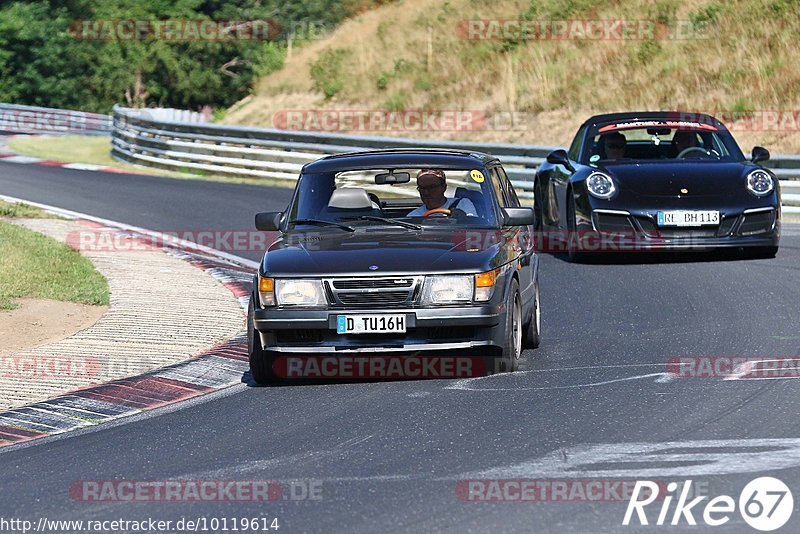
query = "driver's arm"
{"x": 418, "y": 212}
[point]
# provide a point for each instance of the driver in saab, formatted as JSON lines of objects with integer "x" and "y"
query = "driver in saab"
{"x": 432, "y": 184}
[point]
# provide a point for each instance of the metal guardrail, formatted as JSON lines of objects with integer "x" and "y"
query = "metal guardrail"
{"x": 16, "y": 119}
{"x": 276, "y": 154}
{"x": 141, "y": 138}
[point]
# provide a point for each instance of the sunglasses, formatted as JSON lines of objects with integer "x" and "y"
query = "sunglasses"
{"x": 426, "y": 188}
{"x": 615, "y": 146}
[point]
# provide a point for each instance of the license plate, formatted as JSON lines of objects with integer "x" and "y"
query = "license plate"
{"x": 687, "y": 218}
{"x": 370, "y": 324}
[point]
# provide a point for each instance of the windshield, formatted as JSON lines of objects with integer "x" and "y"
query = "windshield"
{"x": 422, "y": 197}
{"x": 660, "y": 141}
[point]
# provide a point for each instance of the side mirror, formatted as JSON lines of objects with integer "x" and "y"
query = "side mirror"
{"x": 559, "y": 157}
{"x": 268, "y": 221}
{"x": 519, "y": 216}
{"x": 759, "y": 154}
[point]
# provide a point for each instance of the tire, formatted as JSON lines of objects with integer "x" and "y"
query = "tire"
{"x": 575, "y": 256}
{"x": 260, "y": 360}
{"x": 533, "y": 330}
{"x": 761, "y": 252}
{"x": 512, "y": 332}
{"x": 539, "y": 242}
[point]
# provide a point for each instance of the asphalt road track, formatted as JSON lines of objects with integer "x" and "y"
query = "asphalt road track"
{"x": 389, "y": 455}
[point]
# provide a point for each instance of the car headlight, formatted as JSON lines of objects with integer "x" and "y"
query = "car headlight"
{"x": 299, "y": 293}
{"x": 760, "y": 183}
{"x": 447, "y": 289}
{"x": 600, "y": 185}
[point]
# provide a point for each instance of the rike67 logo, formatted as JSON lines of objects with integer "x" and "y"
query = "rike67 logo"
{"x": 765, "y": 504}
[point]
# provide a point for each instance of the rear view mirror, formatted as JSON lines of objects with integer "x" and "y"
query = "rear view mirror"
{"x": 268, "y": 221}
{"x": 392, "y": 178}
{"x": 658, "y": 131}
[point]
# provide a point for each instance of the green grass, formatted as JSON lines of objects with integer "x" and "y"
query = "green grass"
{"x": 707, "y": 56}
{"x": 67, "y": 149}
{"x": 97, "y": 151}
{"x": 329, "y": 71}
{"x": 20, "y": 210}
{"x": 33, "y": 265}
{"x": 74, "y": 149}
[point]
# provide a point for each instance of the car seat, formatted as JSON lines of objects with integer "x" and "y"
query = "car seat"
{"x": 473, "y": 195}
{"x": 350, "y": 202}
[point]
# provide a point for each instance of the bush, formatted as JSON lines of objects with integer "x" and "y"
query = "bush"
{"x": 397, "y": 101}
{"x": 328, "y": 71}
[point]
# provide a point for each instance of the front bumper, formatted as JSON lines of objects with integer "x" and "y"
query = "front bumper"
{"x": 607, "y": 230}
{"x": 445, "y": 328}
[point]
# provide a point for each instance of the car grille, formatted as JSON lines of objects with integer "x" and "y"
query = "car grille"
{"x": 726, "y": 226}
{"x": 394, "y": 291}
{"x": 300, "y": 335}
{"x": 612, "y": 223}
{"x": 650, "y": 229}
{"x": 385, "y": 297}
{"x": 372, "y": 284}
{"x": 757, "y": 223}
{"x": 686, "y": 233}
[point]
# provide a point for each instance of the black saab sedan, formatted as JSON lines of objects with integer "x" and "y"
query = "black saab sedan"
{"x": 657, "y": 181}
{"x": 397, "y": 252}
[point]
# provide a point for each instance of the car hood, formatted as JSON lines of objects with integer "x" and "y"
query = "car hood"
{"x": 375, "y": 253}
{"x": 667, "y": 179}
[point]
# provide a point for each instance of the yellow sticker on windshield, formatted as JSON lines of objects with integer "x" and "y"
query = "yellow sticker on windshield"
{"x": 476, "y": 175}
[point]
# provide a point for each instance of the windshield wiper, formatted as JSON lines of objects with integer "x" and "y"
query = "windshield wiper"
{"x": 390, "y": 221}
{"x": 317, "y": 222}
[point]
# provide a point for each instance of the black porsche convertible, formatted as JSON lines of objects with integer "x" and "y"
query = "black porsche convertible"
{"x": 648, "y": 181}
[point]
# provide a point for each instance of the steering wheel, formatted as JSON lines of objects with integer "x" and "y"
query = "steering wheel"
{"x": 686, "y": 151}
{"x": 437, "y": 211}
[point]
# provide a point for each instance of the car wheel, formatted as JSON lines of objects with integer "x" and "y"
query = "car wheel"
{"x": 761, "y": 252}
{"x": 538, "y": 212}
{"x": 538, "y": 222}
{"x": 534, "y": 328}
{"x": 260, "y": 360}
{"x": 575, "y": 255}
{"x": 512, "y": 334}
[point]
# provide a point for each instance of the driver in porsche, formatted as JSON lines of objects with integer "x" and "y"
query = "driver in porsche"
{"x": 683, "y": 139}
{"x": 432, "y": 184}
